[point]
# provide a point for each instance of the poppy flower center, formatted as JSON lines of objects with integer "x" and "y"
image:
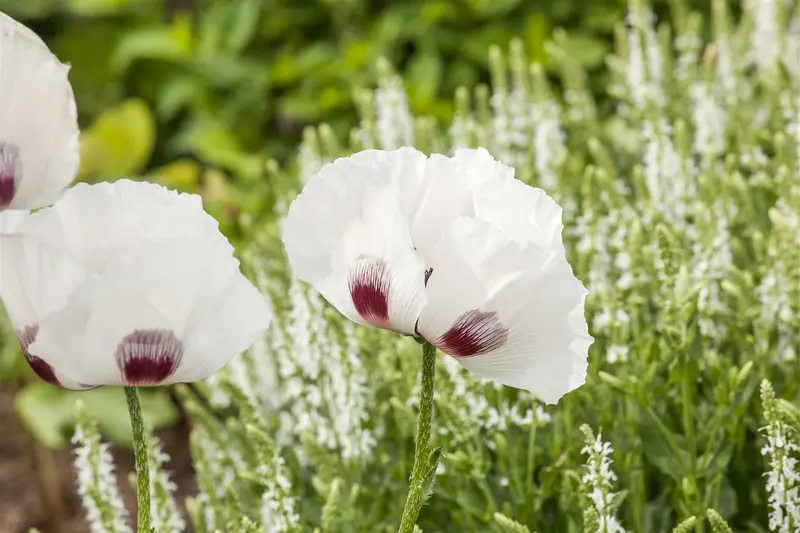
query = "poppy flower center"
{"x": 474, "y": 333}
{"x": 148, "y": 356}
{"x": 26, "y": 337}
{"x": 10, "y": 172}
{"x": 369, "y": 285}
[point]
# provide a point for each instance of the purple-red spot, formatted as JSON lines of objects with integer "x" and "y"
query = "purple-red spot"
{"x": 26, "y": 337}
{"x": 10, "y": 173}
{"x": 474, "y": 333}
{"x": 148, "y": 357}
{"x": 369, "y": 289}
{"x": 428, "y": 274}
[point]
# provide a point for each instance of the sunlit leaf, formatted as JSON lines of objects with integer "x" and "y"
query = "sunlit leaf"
{"x": 120, "y": 141}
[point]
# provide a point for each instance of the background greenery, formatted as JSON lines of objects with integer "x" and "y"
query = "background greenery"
{"x": 204, "y": 92}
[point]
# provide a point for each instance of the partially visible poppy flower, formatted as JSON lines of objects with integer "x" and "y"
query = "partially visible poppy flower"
{"x": 453, "y": 249}
{"x": 39, "y": 146}
{"x": 125, "y": 284}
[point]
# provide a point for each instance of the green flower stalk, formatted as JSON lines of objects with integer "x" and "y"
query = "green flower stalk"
{"x": 423, "y": 473}
{"x": 144, "y": 521}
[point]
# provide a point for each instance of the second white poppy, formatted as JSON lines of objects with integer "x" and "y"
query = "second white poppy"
{"x": 125, "y": 283}
{"x": 453, "y": 249}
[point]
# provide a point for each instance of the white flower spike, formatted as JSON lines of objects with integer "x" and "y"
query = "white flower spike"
{"x": 455, "y": 250}
{"x": 39, "y": 143}
{"x": 125, "y": 284}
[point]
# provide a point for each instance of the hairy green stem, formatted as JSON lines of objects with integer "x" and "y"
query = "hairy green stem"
{"x": 142, "y": 467}
{"x": 416, "y": 492}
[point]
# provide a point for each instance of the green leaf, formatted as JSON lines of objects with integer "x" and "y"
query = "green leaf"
{"x": 94, "y": 8}
{"x": 587, "y": 50}
{"x": 120, "y": 141}
{"x": 182, "y": 175}
{"x": 429, "y": 477}
{"x": 107, "y": 406}
{"x": 49, "y": 412}
{"x": 46, "y": 412}
{"x": 244, "y": 24}
{"x": 424, "y": 76}
{"x": 661, "y": 446}
{"x": 170, "y": 43}
{"x": 216, "y": 145}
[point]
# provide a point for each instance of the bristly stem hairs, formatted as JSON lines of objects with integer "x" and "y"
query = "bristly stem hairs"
{"x": 142, "y": 465}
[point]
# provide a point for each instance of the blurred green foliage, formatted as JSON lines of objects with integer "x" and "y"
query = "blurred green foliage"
{"x": 232, "y": 82}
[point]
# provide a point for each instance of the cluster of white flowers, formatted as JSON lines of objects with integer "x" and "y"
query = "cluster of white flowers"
{"x": 783, "y": 480}
{"x": 394, "y": 122}
{"x": 688, "y": 46}
{"x": 778, "y": 309}
{"x": 791, "y": 113}
{"x": 765, "y": 42}
{"x": 671, "y": 188}
{"x": 712, "y": 262}
{"x": 644, "y": 66}
{"x": 503, "y": 137}
{"x": 164, "y": 510}
{"x": 310, "y": 376}
{"x": 709, "y": 120}
{"x": 462, "y": 128}
{"x": 309, "y": 160}
{"x": 278, "y": 514}
{"x": 599, "y": 480}
{"x": 548, "y": 142}
{"x": 97, "y": 482}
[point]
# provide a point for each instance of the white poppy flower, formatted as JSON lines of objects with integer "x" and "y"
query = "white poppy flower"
{"x": 125, "y": 284}
{"x": 455, "y": 250}
{"x": 39, "y": 146}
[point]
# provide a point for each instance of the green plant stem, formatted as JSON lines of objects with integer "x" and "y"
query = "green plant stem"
{"x": 142, "y": 466}
{"x": 416, "y": 492}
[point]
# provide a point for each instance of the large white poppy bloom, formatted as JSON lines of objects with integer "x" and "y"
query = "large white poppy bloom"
{"x": 125, "y": 284}
{"x": 455, "y": 250}
{"x": 39, "y": 146}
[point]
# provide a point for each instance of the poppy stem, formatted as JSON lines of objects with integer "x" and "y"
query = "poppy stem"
{"x": 425, "y": 460}
{"x": 142, "y": 465}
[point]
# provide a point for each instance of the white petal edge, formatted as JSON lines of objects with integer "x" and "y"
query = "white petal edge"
{"x": 165, "y": 286}
{"x": 477, "y": 167}
{"x": 96, "y": 222}
{"x": 35, "y": 279}
{"x": 347, "y": 235}
{"x": 524, "y": 213}
{"x": 38, "y": 116}
{"x": 532, "y": 305}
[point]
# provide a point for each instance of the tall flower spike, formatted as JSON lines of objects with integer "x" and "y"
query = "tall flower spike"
{"x": 126, "y": 284}
{"x": 455, "y": 250}
{"x": 39, "y": 150}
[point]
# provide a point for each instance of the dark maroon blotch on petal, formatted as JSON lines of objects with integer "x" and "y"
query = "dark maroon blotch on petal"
{"x": 148, "y": 357}
{"x": 428, "y": 274}
{"x": 474, "y": 333}
{"x": 369, "y": 288}
{"x": 10, "y": 173}
{"x": 26, "y": 337}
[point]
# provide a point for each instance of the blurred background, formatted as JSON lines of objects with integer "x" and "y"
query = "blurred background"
{"x": 205, "y": 95}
